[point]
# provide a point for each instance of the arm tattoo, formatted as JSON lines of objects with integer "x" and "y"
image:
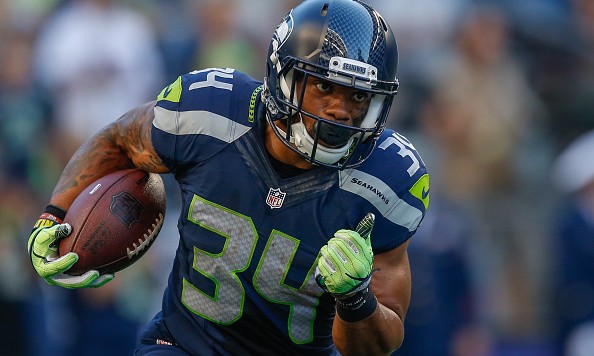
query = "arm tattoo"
{"x": 125, "y": 143}
{"x": 134, "y": 131}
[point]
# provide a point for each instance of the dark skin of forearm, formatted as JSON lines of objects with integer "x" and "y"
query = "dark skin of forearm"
{"x": 123, "y": 144}
{"x": 383, "y": 331}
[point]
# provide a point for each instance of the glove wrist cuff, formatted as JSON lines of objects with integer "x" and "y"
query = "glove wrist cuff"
{"x": 56, "y": 212}
{"x": 50, "y": 217}
{"x": 357, "y": 307}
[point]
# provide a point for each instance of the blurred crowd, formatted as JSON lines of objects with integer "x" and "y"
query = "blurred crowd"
{"x": 496, "y": 95}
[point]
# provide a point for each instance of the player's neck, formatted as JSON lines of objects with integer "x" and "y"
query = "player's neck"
{"x": 281, "y": 153}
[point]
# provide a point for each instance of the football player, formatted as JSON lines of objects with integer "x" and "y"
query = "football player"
{"x": 298, "y": 203}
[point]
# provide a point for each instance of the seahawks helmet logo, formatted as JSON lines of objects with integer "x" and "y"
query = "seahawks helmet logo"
{"x": 283, "y": 31}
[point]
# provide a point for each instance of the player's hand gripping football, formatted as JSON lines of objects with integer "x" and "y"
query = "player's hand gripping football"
{"x": 43, "y": 249}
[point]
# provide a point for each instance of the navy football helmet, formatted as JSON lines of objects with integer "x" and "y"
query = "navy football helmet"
{"x": 345, "y": 42}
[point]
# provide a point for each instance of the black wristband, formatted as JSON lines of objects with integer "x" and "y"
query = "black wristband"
{"x": 357, "y": 307}
{"x": 55, "y": 211}
{"x": 50, "y": 217}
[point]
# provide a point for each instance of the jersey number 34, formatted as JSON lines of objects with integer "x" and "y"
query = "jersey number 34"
{"x": 226, "y": 306}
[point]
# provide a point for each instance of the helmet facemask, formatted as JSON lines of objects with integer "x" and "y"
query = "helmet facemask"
{"x": 328, "y": 143}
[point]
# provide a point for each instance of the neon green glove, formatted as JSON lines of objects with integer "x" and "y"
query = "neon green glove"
{"x": 43, "y": 249}
{"x": 344, "y": 266}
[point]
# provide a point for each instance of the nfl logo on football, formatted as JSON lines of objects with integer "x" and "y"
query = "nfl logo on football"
{"x": 275, "y": 198}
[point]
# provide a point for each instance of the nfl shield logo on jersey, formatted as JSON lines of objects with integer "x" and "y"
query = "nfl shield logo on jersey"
{"x": 275, "y": 198}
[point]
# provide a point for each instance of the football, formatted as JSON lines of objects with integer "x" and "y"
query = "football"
{"x": 114, "y": 221}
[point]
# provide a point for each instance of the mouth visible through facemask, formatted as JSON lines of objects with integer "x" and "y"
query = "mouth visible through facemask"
{"x": 331, "y": 135}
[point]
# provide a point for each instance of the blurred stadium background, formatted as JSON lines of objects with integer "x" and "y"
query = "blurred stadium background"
{"x": 496, "y": 95}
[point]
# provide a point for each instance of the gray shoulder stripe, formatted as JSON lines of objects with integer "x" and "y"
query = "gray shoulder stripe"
{"x": 198, "y": 122}
{"x": 382, "y": 197}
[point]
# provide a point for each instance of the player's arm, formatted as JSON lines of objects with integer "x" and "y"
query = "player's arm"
{"x": 370, "y": 307}
{"x": 125, "y": 143}
{"x": 383, "y": 331}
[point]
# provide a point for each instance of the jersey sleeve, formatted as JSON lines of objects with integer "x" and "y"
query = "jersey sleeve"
{"x": 394, "y": 183}
{"x": 201, "y": 113}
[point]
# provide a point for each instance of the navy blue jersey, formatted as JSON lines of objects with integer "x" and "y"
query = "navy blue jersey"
{"x": 243, "y": 277}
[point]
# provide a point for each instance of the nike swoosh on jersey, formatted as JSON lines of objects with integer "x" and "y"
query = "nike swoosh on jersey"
{"x": 167, "y": 91}
{"x": 425, "y": 193}
{"x": 421, "y": 190}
